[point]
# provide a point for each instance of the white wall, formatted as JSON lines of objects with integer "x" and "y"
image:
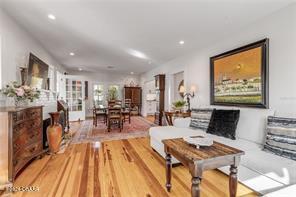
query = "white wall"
{"x": 105, "y": 78}
{"x": 16, "y": 47}
{"x": 16, "y": 44}
{"x": 0, "y": 61}
{"x": 2, "y": 101}
{"x": 280, "y": 27}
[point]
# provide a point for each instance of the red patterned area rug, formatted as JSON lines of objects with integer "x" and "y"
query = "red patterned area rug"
{"x": 86, "y": 132}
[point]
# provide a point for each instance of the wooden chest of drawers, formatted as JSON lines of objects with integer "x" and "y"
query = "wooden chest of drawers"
{"x": 21, "y": 138}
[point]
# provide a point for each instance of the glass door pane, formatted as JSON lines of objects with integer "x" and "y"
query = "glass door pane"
{"x": 74, "y": 94}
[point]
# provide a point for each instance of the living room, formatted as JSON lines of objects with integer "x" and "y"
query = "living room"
{"x": 201, "y": 93}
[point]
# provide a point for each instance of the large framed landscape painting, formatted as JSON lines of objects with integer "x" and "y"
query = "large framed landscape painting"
{"x": 240, "y": 77}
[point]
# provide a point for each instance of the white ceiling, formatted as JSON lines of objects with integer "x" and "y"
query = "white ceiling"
{"x": 101, "y": 32}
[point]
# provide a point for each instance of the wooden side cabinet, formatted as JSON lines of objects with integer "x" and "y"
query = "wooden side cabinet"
{"x": 21, "y": 140}
{"x": 135, "y": 94}
{"x": 160, "y": 93}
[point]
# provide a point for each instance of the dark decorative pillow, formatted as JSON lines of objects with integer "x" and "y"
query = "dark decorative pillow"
{"x": 281, "y": 137}
{"x": 224, "y": 122}
{"x": 200, "y": 118}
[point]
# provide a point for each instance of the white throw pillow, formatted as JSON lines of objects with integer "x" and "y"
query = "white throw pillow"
{"x": 182, "y": 122}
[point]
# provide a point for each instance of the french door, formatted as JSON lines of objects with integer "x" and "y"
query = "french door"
{"x": 75, "y": 98}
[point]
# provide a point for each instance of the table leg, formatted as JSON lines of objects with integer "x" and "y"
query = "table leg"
{"x": 233, "y": 181}
{"x": 168, "y": 171}
{"x": 109, "y": 125}
{"x": 195, "y": 189}
{"x": 196, "y": 173}
{"x": 129, "y": 119}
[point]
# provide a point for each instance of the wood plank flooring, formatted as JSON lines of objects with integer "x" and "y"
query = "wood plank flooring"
{"x": 123, "y": 168}
{"x": 150, "y": 118}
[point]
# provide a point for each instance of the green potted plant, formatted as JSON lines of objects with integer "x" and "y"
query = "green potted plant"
{"x": 112, "y": 93}
{"x": 178, "y": 105}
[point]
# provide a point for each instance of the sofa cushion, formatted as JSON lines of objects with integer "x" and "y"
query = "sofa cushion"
{"x": 241, "y": 144}
{"x": 273, "y": 166}
{"x": 200, "y": 118}
{"x": 170, "y": 132}
{"x": 281, "y": 137}
{"x": 252, "y": 124}
{"x": 182, "y": 122}
{"x": 224, "y": 123}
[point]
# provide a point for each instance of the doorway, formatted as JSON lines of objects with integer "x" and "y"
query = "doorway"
{"x": 149, "y": 99}
{"x": 178, "y": 81}
{"x": 75, "y": 97}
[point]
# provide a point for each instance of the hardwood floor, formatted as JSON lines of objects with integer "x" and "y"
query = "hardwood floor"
{"x": 150, "y": 118}
{"x": 118, "y": 168}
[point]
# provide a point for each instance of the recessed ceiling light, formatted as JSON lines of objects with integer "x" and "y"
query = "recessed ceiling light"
{"x": 51, "y": 16}
{"x": 132, "y": 73}
{"x": 80, "y": 69}
{"x": 137, "y": 54}
{"x": 110, "y": 67}
{"x": 181, "y": 42}
{"x": 72, "y": 54}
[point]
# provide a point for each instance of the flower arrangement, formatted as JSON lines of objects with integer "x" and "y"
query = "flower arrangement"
{"x": 178, "y": 105}
{"x": 20, "y": 93}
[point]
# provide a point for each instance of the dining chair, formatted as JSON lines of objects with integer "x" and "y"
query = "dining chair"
{"x": 112, "y": 103}
{"x": 114, "y": 116}
{"x": 127, "y": 110}
{"x": 99, "y": 112}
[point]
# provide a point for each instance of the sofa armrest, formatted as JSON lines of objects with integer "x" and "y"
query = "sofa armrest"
{"x": 182, "y": 122}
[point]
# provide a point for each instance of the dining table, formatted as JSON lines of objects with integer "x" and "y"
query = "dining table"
{"x": 104, "y": 111}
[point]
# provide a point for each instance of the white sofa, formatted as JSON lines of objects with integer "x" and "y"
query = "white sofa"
{"x": 261, "y": 171}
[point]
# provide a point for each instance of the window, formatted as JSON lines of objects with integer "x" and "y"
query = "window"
{"x": 98, "y": 94}
{"x": 51, "y": 78}
{"x": 58, "y": 81}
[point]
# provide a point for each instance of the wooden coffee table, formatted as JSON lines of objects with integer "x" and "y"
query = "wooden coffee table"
{"x": 199, "y": 160}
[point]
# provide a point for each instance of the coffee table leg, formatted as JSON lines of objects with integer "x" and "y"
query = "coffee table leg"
{"x": 168, "y": 171}
{"x": 233, "y": 181}
{"x": 195, "y": 189}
